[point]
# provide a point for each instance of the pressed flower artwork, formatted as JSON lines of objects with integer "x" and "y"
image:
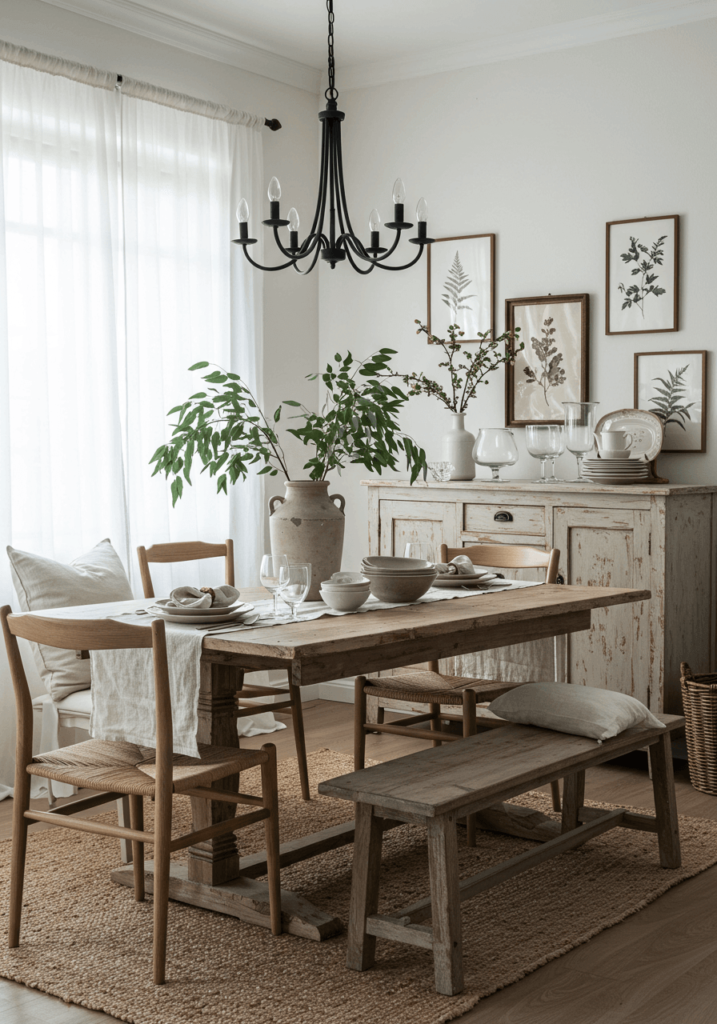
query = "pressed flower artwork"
{"x": 552, "y": 366}
{"x": 642, "y": 275}
{"x": 460, "y": 286}
{"x": 672, "y": 386}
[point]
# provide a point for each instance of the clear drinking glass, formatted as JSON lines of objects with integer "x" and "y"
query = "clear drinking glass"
{"x": 419, "y": 549}
{"x": 540, "y": 441}
{"x": 294, "y": 581}
{"x": 579, "y": 429}
{"x": 440, "y": 471}
{"x": 495, "y": 447}
{"x": 269, "y": 576}
{"x": 558, "y": 449}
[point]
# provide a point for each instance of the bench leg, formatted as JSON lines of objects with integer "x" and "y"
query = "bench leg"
{"x": 446, "y": 905}
{"x": 663, "y": 785}
{"x": 470, "y": 729}
{"x": 573, "y": 800}
{"x": 364, "y": 888}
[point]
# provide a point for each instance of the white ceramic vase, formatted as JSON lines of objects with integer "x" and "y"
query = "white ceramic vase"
{"x": 458, "y": 448}
{"x": 307, "y": 527}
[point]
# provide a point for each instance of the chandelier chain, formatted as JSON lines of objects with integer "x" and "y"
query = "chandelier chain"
{"x": 332, "y": 92}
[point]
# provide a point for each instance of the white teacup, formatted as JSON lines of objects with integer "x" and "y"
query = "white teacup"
{"x": 614, "y": 440}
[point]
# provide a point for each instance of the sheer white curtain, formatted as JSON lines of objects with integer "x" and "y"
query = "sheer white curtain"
{"x": 116, "y": 274}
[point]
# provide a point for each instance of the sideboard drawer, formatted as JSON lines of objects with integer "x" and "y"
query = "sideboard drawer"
{"x": 525, "y": 519}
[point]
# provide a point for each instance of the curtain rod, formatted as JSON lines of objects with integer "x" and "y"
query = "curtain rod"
{"x": 130, "y": 87}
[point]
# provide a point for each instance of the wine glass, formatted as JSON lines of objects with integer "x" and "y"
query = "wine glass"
{"x": 541, "y": 444}
{"x": 579, "y": 432}
{"x": 294, "y": 581}
{"x": 269, "y": 574}
{"x": 419, "y": 549}
{"x": 495, "y": 447}
{"x": 558, "y": 449}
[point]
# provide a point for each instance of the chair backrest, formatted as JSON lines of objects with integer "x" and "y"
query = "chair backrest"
{"x": 184, "y": 551}
{"x": 87, "y": 635}
{"x": 508, "y": 556}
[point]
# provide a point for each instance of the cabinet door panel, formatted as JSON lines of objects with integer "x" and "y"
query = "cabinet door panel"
{"x": 404, "y": 522}
{"x": 608, "y": 548}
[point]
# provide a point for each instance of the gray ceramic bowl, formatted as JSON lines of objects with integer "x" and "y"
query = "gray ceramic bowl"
{"x": 400, "y": 589}
{"x": 344, "y": 600}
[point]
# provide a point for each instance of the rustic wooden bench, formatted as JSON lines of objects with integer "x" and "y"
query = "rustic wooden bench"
{"x": 435, "y": 787}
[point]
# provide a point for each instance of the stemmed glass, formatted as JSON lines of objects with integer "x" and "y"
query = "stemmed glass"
{"x": 294, "y": 582}
{"x": 579, "y": 431}
{"x": 269, "y": 576}
{"x": 541, "y": 443}
{"x": 419, "y": 549}
{"x": 495, "y": 447}
{"x": 558, "y": 449}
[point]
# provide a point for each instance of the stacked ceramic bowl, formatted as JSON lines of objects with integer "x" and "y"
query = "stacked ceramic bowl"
{"x": 398, "y": 580}
{"x": 621, "y": 470}
{"x": 345, "y": 591}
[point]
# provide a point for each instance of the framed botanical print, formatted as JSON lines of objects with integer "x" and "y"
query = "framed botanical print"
{"x": 553, "y": 365}
{"x": 642, "y": 275}
{"x": 461, "y": 274}
{"x": 673, "y": 386}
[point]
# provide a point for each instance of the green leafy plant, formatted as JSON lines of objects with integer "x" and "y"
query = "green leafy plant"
{"x": 668, "y": 403}
{"x": 646, "y": 259}
{"x": 553, "y": 374}
{"x": 464, "y": 377}
{"x": 225, "y": 428}
{"x": 455, "y": 284}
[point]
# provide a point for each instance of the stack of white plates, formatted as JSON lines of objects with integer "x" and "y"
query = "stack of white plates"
{"x": 616, "y": 471}
{"x": 200, "y": 616}
{"x": 398, "y": 580}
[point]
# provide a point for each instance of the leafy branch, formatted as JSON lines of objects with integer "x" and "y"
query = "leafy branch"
{"x": 456, "y": 283}
{"x": 668, "y": 401}
{"x": 464, "y": 377}
{"x": 646, "y": 260}
{"x": 553, "y": 374}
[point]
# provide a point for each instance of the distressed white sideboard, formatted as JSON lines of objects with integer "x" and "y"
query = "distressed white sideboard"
{"x": 656, "y": 536}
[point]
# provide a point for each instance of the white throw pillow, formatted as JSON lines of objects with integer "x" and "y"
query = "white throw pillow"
{"x": 94, "y": 578}
{"x": 580, "y": 710}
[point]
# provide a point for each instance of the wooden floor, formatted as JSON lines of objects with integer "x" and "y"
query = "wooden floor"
{"x": 658, "y": 967}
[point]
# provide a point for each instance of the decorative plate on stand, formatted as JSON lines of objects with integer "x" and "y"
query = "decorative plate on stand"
{"x": 647, "y": 434}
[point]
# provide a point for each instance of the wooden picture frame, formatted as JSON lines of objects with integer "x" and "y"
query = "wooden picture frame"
{"x": 684, "y": 432}
{"x": 543, "y": 330}
{"x": 477, "y": 252}
{"x": 642, "y": 302}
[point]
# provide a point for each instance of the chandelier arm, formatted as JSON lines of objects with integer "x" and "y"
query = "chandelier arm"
{"x": 258, "y": 266}
{"x": 382, "y": 266}
{"x": 307, "y": 270}
{"x": 304, "y": 250}
{"x": 357, "y": 268}
{"x": 318, "y": 221}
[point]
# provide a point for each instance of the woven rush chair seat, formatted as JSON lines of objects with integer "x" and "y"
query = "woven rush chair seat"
{"x": 127, "y": 768}
{"x": 434, "y": 688}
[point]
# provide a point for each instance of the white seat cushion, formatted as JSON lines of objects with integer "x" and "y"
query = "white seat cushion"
{"x": 40, "y": 583}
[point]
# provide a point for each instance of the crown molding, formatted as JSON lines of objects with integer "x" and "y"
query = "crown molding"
{"x": 165, "y": 28}
{"x": 583, "y": 32}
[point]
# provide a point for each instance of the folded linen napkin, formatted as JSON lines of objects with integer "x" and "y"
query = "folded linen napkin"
{"x": 461, "y": 565}
{"x": 204, "y": 597}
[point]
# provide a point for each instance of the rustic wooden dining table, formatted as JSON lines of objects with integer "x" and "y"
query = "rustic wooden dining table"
{"x": 215, "y": 876}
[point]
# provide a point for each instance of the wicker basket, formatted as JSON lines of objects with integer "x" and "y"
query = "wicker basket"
{"x": 699, "y": 699}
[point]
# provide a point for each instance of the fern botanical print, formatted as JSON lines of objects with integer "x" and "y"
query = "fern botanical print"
{"x": 671, "y": 385}
{"x": 455, "y": 286}
{"x": 669, "y": 400}
{"x": 552, "y": 374}
{"x": 645, "y": 259}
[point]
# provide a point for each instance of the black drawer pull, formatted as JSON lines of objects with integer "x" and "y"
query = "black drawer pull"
{"x": 503, "y": 517}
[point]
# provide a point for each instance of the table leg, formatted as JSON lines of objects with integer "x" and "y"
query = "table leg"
{"x": 446, "y": 905}
{"x": 216, "y": 860}
{"x": 573, "y": 800}
{"x": 297, "y": 715}
{"x": 663, "y": 785}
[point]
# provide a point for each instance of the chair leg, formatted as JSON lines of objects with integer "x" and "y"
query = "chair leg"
{"x": 136, "y": 820}
{"x": 297, "y": 716}
{"x": 380, "y": 713}
{"x": 573, "y": 800}
{"x": 270, "y": 796}
{"x": 361, "y": 951}
{"x": 435, "y": 710}
{"x": 123, "y": 819}
{"x": 162, "y": 840}
{"x": 555, "y": 790}
{"x": 469, "y": 729}
{"x": 20, "y": 823}
{"x": 359, "y": 723}
{"x": 663, "y": 785}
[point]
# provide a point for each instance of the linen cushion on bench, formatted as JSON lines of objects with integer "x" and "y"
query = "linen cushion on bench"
{"x": 579, "y": 710}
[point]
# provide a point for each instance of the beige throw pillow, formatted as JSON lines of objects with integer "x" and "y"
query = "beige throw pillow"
{"x": 580, "y": 710}
{"x": 94, "y": 578}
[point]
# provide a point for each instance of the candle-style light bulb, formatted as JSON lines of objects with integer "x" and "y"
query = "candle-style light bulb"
{"x": 421, "y": 210}
{"x": 374, "y": 221}
{"x": 399, "y": 191}
{"x": 274, "y": 190}
{"x": 243, "y": 212}
{"x": 293, "y": 219}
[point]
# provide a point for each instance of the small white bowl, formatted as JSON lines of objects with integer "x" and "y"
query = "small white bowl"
{"x": 347, "y": 577}
{"x": 345, "y": 601}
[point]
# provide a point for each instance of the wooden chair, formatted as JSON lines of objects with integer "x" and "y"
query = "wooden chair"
{"x": 188, "y": 551}
{"x": 419, "y": 686}
{"x": 117, "y": 768}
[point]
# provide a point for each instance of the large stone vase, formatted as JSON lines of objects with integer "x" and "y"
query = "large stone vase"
{"x": 306, "y": 526}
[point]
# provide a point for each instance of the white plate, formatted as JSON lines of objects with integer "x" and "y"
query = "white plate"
{"x": 618, "y": 480}
{"x": 201, "y": 618}
{"x": 488, "y": 580}
{"x": 646, "y": 429}
{"x": 615, "y": 472}
{"x": 396, "y": 564}
{"x": 238, "y": 606}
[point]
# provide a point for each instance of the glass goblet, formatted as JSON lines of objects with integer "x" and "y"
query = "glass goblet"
{"x": 269, "y": 574}
{"x": 579, "y": 432}
{"x": 419, "y": 549}
{"x": 294, "y": 581}
{"x": 540, "y": 443}
{"x": 495, "y": 447}
{"x": 558, "y": 449}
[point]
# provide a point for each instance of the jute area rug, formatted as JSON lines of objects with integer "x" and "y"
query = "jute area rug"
{"x": 85, "y": 940}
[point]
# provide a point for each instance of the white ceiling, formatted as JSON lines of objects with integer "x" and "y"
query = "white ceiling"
{"x": 383, "y": 40}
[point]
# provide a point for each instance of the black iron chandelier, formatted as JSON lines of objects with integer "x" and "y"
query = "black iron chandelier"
{"x": 341, "y": 242}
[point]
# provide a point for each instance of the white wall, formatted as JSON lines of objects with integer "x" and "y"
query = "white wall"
{"x": 542, "y": 151}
